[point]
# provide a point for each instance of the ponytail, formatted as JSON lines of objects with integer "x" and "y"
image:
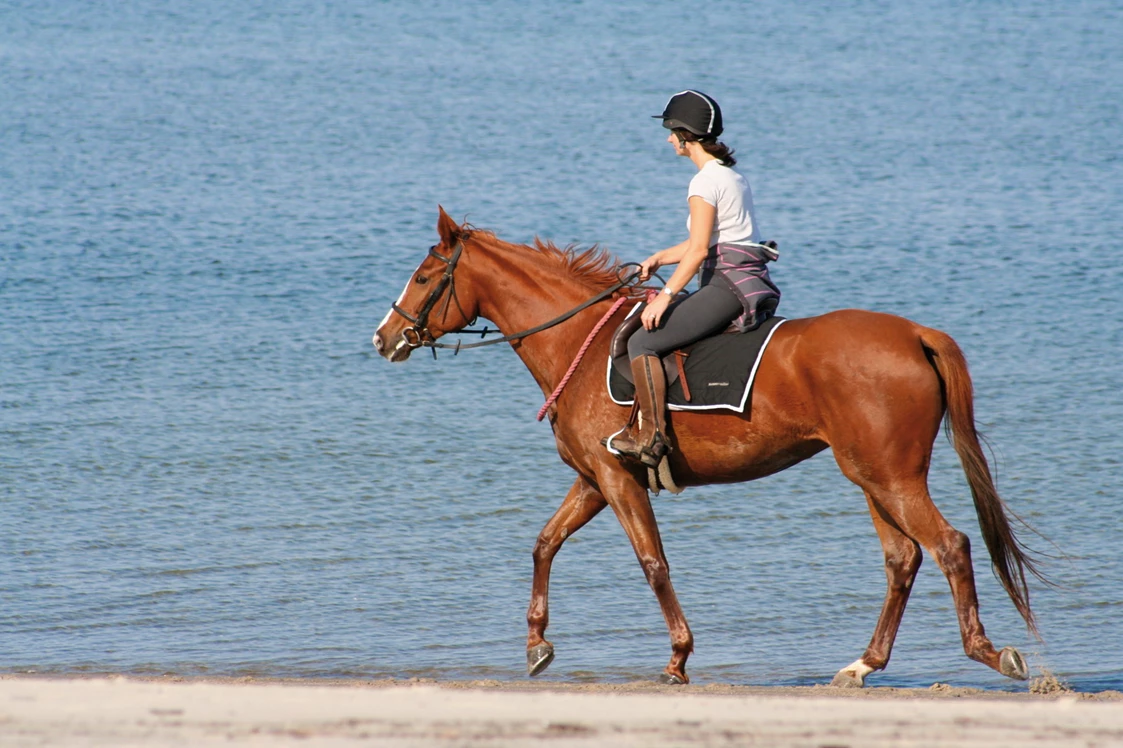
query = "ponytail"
{"x": 712, "y": 146}
{"x": 720, "y": 151}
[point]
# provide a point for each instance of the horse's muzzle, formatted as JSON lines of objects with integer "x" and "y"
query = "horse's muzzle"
{"x": 393, "y": 353}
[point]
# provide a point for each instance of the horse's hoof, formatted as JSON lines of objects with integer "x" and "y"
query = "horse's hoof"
{"x": 668, "y": 679}
{"x": 1012, "y": 664}
{"x": 852, "y": 676}
{"x": 844, "y": 679}
{"x": 539, "y": 657}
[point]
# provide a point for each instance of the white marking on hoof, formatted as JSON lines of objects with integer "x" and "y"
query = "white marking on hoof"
{"x": 852, "y": 676}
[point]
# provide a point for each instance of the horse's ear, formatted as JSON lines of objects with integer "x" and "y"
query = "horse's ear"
{"x": 448, "y": 229}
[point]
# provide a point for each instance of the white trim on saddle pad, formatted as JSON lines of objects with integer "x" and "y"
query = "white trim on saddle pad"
{"x": 744, "y": 395}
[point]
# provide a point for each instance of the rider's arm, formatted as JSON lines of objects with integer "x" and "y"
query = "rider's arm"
{"x": 694, "y": 249}
{"x": 668, "y": 256}
{"x": 701, "y": 226}
{"x": 672, "y": 255}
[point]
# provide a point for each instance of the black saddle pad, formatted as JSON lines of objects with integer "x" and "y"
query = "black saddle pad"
{"x": 719, "y": 371}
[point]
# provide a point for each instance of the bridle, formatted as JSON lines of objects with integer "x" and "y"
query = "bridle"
{"x": 418, "y": 334}
{"x": 419, "y": 325}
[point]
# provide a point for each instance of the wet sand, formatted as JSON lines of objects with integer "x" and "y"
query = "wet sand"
{"x": 117, "y": 711}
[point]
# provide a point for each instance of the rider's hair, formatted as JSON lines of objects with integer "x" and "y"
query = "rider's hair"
{"x": 712, "y": 146}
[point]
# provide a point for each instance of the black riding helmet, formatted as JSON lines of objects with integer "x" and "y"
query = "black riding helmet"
{"x": 693, "y": 111}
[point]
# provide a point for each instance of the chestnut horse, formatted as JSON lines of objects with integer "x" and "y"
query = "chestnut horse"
{"x": 872, "y": 387}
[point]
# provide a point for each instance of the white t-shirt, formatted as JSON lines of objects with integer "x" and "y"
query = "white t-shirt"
{"x": 730, "y": 194}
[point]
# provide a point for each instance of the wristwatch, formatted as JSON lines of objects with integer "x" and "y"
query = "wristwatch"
{"x": 667, "y": 290}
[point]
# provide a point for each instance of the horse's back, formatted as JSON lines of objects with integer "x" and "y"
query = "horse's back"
{"x": 852, "y": 338}
{"x": 857, "y": 323}
{"x": 852, "y": 365}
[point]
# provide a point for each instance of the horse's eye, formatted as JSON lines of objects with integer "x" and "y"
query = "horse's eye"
{"x": 422, "y": 280}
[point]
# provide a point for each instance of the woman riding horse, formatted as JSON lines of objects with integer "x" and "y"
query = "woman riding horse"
{"x": 723, "y": 243}
{"x": 870, "y": 387}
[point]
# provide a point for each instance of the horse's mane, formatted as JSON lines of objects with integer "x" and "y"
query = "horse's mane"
{"x": 592, "y": 266}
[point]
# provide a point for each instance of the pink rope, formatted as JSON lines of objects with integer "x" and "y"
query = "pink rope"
{"x": 580, "y": 354}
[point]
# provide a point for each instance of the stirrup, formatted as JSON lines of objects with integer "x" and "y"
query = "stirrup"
{"x": 623, "y": 446}
{"x": 653, "y": 454}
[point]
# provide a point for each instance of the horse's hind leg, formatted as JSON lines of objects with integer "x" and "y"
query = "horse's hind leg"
{"x": 911, "y": 508}
{"x": 581, "y": 504}
{"x": 902, "y": 561}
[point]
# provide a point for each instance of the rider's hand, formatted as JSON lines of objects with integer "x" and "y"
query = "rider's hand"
{"x": 653, "y": 312}
{"x": 649, "y": 266}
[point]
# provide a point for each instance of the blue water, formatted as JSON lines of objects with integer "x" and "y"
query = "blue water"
{"x": 206, "y": 207}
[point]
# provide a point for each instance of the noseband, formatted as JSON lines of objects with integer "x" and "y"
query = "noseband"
{"x": 418, "y": 334}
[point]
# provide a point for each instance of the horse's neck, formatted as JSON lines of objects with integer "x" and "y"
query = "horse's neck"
{"x": 517, "y": 293}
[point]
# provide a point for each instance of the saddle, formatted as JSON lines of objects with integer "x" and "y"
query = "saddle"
{"x": 715, "y": 372}
{"x": 673, "y": 362}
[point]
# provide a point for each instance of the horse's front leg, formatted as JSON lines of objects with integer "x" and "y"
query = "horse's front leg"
{"x": 629, "y": 500}
{"x": 582, "y": 503}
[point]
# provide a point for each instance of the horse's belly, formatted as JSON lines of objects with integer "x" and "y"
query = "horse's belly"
{"x": 714, "y": 448}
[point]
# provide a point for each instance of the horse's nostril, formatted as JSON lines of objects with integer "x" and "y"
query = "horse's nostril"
{"x": 378, "y": 342}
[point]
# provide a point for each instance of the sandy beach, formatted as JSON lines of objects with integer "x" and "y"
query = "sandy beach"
{"x": 117, "y": 711}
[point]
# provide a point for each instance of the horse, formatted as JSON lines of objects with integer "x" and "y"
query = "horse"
{"x": 872, "y": 387}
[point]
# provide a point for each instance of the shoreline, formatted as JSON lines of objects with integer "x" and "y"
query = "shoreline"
{"x": 1039, "y": 688}
{"x": 1042, "y": 686}
{"x": 173, "y": 710}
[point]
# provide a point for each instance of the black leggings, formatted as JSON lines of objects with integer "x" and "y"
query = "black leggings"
{"x": 707, "y": 311}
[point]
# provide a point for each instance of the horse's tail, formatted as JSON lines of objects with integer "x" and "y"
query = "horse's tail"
{"x": 1010, "y": 558}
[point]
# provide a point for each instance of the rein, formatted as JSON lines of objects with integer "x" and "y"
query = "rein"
{"x": 545, "y": 325}
{"x": 423, "y": 338}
